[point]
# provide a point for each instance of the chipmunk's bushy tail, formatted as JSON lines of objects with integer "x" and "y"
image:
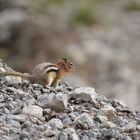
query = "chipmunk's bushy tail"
{"x": 13, "y": 73}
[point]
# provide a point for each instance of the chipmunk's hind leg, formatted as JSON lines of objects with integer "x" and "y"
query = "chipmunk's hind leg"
{"x": 50, "y": 78}
{"x": 56, "y": 83}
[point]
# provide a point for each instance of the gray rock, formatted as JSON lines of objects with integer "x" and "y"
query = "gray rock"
{"x": 84, "y": 121}
{"x": 130, "y": 127}
{"x": 101, "y": 118}
{"x": 5, "y": 110}
{"x": 89, "y": 135}
{"x": 71, "y": 134}
{"x": 1, "y": 98}
{"x": 55, "y": 123}
{"x": 85, "y": 137}
{"x": 63, "y": 136}
{"x": 24, "y": 135}
{"x": 12, "y": 105}
{"x": 33, "y": 110}
{"x": 108, "y": 124}
{"x": 49, "y": 133}
{"x": 4, "y": 137}
{"x": 138, "y": 128}
{"x": 116, "y": 103}
{"x": 14, "y": 130}
{"x": 20, "y": 118}
{"x": 66, "y": 119}
{"x": 14, "y": 123}
{"x": 120, "y": 121}
{"x": 45, "y": 90}
{"x": 110, "y": 133}
{"x": 73, "y": 115}
{"x": 86, "y": 94}
{"x": 57, "y": 102}
{"x": 68, "y": 134}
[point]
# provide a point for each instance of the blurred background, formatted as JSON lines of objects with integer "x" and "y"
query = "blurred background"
{"x": 102, "y": 37}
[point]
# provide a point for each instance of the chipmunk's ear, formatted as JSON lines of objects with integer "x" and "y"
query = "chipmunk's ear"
{"x": 63, "y": 60}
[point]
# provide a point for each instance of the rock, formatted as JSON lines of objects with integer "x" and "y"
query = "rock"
{"x": 108, "y": 124}
{"x": 68, "y": 134}
{"x": 5, "y": 110}
{"x": 20, "y": 118}
{"x": 86, "y": 94}
{"x": 12, "y": 105}
{"x": 26, "y": 124}
{"x": 130, "y": 127}
{"x": 12, "y": 80}
{"x": 14, "y": 130}
{"x": 71, "y": 134}
{"x": 116, "y": 103}
{"x": 138, "y": 128}
{"x": 84, "y": 121}
{"x": 73, "y": 115}
{"x": 49, "y": 133}
{"x": 66, "y": 120}
{"x": 57, "y": 102}
{"x": 84, "y": 137}
{"x": 63, "y": 136}
{"x": 87, "y": 135}
{"x": 1, "y": 98}
{"x": 107, "y": 111}
{"x": 33, "y": 110}
{"x": 24, "y": 135}
{"x": 110, "y": 133}
{"x": 101, "y": 119}
{"x": 55, "y": 123}
{"x": 120, "y": 121}
{"x": 14, "y": 123}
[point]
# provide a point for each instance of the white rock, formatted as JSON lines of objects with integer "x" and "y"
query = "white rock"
{"x": 33, "y": 110}
{"x": 20, "y": 118}
{"x": 110, "y": 124}
{"x": 55, "y": 123}
{"x": 12, "y": 79}
{"x": 107, "y": 111}
{"x": 85, "y": 94}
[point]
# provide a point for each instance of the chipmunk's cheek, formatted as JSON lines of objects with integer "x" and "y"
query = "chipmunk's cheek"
{"x": 73, "y": 69}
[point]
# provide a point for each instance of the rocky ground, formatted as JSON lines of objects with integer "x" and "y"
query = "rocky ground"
{"x": 33, "y": 112}
{"x": 106, "y": 54}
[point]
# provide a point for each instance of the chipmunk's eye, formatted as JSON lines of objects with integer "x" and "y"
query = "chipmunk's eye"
{"x": 71, "y": 64}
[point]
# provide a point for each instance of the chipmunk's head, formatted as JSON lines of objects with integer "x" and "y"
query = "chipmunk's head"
{"x": 66, "y": 65}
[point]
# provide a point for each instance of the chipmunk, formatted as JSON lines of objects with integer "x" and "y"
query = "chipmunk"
{"x": 45, "y": 73}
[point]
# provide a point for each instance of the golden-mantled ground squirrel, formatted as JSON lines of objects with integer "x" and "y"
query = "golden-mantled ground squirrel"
{"x": 45, "y": 73}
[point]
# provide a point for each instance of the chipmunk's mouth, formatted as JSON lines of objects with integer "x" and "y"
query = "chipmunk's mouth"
{"x": 73, "y": 69}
